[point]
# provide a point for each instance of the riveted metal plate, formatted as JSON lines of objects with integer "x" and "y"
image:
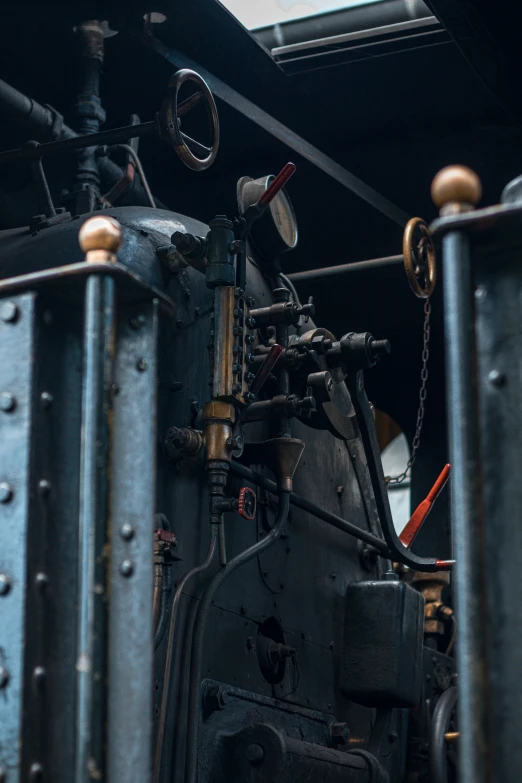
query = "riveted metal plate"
{"x": 17, "y": 334}
{"x": 131, "y": 569}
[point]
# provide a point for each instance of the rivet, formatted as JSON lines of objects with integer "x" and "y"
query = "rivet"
{"x": 44, "y": 487}
{"x": 127, "y": 531}
{"x": 142, "y": 365}
{"x": 46, "y": 398}
{"x": 9, "y": 312}
{"x": 39, "y": 674}
{"x": 255, "y": 753}
{"x": 179, "y": 323}
{"x": 6, "y": 492}
{"x": 35, "y": 773}
{"x": 7, "y": 402}
{"x": 41, "y": 580}
{"x": 480, "y": 292}
{"x": 496, "y": 378}
{"x": 5, "y": 584}
{"x": 127, "y": 568}
{"x": 4, "y": 676}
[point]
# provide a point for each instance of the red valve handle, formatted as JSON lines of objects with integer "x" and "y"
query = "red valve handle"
{"x": 409, "y": 533}
{"x": 166, "y": 535}
{"x": 276, "y": 184}
{"x": 247, "y": 503}
{"x": 266, "y": 368}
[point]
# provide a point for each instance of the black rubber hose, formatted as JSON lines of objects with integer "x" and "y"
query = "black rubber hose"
{"x": 193, "y": 716}
{"x": 439, "y": 726}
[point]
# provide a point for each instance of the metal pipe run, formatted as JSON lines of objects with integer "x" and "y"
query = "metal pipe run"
{"x": 169, "y": 657}
{"x": 46, "y": 124}
{"x": 93, "y": 533}
{"x": 343, "y": 269}
{"x": 193, "y": 712}
{"x": 311, "y": 508}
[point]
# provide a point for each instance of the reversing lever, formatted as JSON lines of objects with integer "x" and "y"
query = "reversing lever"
{"x": 408, "y": 535}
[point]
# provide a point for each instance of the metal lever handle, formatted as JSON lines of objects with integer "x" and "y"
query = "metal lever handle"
{"x": 275, "y": 186}
{"x": 408, "y": 535}
{"x": 266, "y": 368}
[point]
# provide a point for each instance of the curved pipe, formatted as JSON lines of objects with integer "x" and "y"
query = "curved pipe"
{"x": 439, "y": 726}
{"x": 170, "y": 648}
{"x": 191, "y": 768}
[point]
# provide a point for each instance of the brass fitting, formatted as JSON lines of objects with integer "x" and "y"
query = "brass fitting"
{"x": 431, "y": 586}
{"x": 218, "y": 421}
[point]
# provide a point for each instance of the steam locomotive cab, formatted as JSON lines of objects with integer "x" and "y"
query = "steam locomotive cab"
{"x": 200, "y": 575}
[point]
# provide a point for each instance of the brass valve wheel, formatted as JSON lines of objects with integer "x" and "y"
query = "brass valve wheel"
{"x": 419, "y": 258}
{"x": 169, "y": 121}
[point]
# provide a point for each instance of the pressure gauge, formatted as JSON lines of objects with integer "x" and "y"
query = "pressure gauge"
{"x": 276, "y": 231}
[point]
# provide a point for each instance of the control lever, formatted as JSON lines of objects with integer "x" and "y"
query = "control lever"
{"x": 266, "y": 368}
{"x": 398, "y": 551}
{"x": 252, "y": 213}
{"x": 408, "y": 535}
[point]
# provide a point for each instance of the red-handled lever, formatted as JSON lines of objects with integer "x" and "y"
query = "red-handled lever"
{"x": 276, "y": 184}
{"x": 266, "y": 368}
{"x": 409, "y": 533}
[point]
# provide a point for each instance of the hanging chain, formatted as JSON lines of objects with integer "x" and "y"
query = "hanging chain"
{"x": 422, "y": 398}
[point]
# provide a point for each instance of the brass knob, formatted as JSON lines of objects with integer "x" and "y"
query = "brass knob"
{"x": 100, "y": 238}
{"x": 456, "y": 185}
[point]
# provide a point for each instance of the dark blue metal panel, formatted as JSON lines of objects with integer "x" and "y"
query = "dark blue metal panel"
{"x": 131, "y": 569}
{"x": 17, "y": 320}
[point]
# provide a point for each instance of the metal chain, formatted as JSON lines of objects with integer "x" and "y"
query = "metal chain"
{"x": 422, "y": 398}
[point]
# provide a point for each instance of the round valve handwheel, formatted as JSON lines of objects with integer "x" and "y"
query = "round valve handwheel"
{"x": 247, "y": 503}
{"x": 419, "y": 258}
{"x": 169, "y": 121}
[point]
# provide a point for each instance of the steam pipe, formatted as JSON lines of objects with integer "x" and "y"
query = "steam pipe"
{"x": 46, "y": 124}
{"x": 311, "y": 508}
{"x": 170, "y": 647}
{"x": 191, "y": 768}
{"x": 343, "y": 269}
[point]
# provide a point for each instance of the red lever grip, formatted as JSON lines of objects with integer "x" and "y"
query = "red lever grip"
{"x": 407, "y": 536}
{"x": 276, "y": 184}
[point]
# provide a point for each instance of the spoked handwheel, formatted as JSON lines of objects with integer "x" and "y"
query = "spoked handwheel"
{"x": 419, "y": 258}
{"x": 444, "y": 738}
{"x": 193, "y": 154}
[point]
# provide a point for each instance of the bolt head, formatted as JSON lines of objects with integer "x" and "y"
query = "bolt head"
{"x": 127, "y": 531}
{"x": 46, "y": 398}
{"x": 127, "y": 568}
{"x": 496, "y": 378}
{"x": 255, "y": 753}
{"x": 41, "y": 580}
{"x": 6, "y": 492}
{"x": 5, "y": 584}
{"x": 44, "y": 487}
{"x": 142, "y": 365}
{"x": 39, "y": 675}
{"x": 340, "y": 733}
{"x": 9, "y": 312}
{"x": 7, "y": 402}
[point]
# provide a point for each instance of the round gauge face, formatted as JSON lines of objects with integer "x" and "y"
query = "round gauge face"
{"x": 284, "y": 218}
